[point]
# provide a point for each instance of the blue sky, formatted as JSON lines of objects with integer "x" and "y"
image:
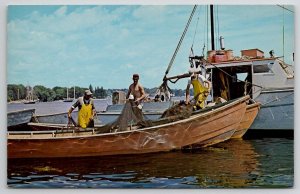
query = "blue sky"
{"x": 104, "y": 45}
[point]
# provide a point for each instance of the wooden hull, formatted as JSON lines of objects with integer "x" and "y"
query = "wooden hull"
{"x": 223, "y": 134}
{"x": 196, "y": 129}
{"x": 248, "y": 119}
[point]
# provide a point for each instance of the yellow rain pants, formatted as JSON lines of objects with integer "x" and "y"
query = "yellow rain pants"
{"x": 200, "y": 94}
{"x": 84, "y": 115}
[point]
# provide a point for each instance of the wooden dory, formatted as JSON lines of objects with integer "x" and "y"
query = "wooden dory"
{"x": 247, "y": 120}
{"x": 165, "y": 137}
{"x": 19, "y": 117}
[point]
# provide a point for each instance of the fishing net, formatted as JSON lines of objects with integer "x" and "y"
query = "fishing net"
{"x": 130, "y": 118}
{"x": 180, "y": 111}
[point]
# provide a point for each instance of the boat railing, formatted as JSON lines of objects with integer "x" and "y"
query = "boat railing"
{"x": 25, "y": 110}
{"x": 287, "y": 69}
{"x": 53, "y": 133}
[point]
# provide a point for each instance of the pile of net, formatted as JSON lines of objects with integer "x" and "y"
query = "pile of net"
{"x": 179, "y": 111}
{"x": 130, "y": 118}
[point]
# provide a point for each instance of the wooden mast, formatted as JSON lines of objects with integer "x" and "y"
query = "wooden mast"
{"x": 74, "y": 93}
{"x": 212, "y": 27}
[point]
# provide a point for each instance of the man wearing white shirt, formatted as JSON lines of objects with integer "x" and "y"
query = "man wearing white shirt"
{"x": 201, "y": 88}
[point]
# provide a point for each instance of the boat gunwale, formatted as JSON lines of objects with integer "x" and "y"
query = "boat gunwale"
{"x": 118, "y": 113}
{"x": 243, "y": 61}
{"x": 25, "y": 110}
{"x": 254, "y": 105}
{"x": 274, "y": 90}
{"x": 53, "y": 114}
{"x": 98, "y": 113}
{"x": 193, "y": 117}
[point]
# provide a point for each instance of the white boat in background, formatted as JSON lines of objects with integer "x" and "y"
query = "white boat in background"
{"x": 151, "y": 110}
{"x": 268, "y": 80}
{"x": 68, "y": 99}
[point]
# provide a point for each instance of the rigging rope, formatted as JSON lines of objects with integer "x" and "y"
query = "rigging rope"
{"x": 180, "y": 41}
{"x": 215, "y": 29}
{"x": 207, "y": 26}
{"x": 196, "y": 29}
{"x": 230, "y": 75}
{"x": 285, "y": 8}
{"x": 218, "y": 26}
{"x": 283, "y": 32}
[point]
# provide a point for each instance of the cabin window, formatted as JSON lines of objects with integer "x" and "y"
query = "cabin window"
{"x": 242, "y": 76}
{"x": 265, "y": 68}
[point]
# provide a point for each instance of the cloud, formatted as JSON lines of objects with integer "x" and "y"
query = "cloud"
{"x": 61, "y": 11}
{"x": 128, "y": 65}
{"x": 79, "y": 45}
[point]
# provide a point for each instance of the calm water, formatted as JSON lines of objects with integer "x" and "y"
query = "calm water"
{"x": 253, "y": 163}
{"x": 55, "y": 107}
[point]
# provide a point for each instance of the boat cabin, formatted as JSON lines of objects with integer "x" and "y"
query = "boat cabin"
{"x": 233, "y": 77}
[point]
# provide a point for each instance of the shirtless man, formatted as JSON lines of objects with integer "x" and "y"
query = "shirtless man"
{"x": 136, "y": 89}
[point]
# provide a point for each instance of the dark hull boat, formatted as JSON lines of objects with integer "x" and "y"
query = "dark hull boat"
{"x": 20, "y": 117}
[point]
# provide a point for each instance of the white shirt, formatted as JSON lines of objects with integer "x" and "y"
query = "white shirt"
{"x": 201, "y": 79}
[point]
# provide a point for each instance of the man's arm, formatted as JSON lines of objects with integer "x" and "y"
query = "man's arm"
{"x": 187, "y": 93}
{"x": 142, "y": 92}
{"x": 72, "y": 108}
{"x": 93, "y": 109}
{"x": 207, "y": 84}
{"x": 128, "y": 93}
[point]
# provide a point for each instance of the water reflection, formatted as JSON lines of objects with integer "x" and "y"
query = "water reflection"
{"x": 230, "y": 164}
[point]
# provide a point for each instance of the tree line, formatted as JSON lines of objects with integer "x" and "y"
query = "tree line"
{"x": 44, "y": 94}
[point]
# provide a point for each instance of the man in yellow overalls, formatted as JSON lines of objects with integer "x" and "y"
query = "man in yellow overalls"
{"x": 201, "y": 90}
{"x": 86, "y": 110}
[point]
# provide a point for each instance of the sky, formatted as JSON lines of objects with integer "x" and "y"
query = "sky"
{"x": 104, "y": 45}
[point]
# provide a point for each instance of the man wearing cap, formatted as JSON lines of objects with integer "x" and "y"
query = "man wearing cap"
{"x": 86, "y": 110}
{"x": 201, "y": 88}
{"x": 136, "y": 89}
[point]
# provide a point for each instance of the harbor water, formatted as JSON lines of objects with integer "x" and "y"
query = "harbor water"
{"x": 262, "y": 162}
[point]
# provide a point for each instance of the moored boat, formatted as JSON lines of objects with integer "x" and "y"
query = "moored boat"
{"x": 151, "y": 110}
{"x": 30, "y": 101}
{"x": 58, "y": 142}
{"x": 68, "y": 99}
{"x": 267, "y": 79}
{"x": 56, "y": 118}
{"x": 16, "y": 118}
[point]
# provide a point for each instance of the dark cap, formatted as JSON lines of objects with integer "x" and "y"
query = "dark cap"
{"x": 135, "y": 75}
